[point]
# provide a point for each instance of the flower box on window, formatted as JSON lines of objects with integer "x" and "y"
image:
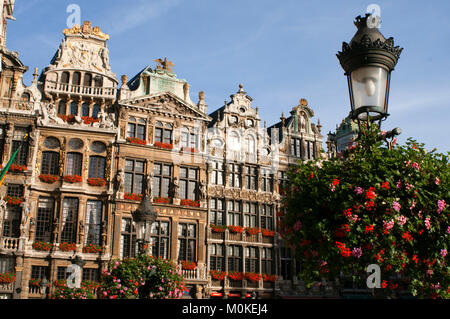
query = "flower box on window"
{"x": 135, "y": 140}
{"x": 96, "y": 181}
{"x": 67, "y": 118}
{"x": 189, "y": 202}
{"x": 17, "y": 168}
{"x": 189, "y": 149}
{"x": 218, "y": 275}
{"x": 92, "y": 249}
{"x": 7, "y": 278}
{"x": 269, "y": 278}
{"x": 253, "y": 276}
{"x": 235, "y": 275}
{"x": 268, "y": 233}
{"x": 235, "y": 229}
{"x": 218, "y": 228}
{"x": 49, "y": 179}
{"x": 35, "y": 282}
{"x": 67, "y": 247}
{"x": 14, "y": 200}
{"x": 161, "y": 200}
{"x": 188, "y": 265}
{"x": 43, "y": 246}
{"x": 73, "y": 179}
{"x": 89, "y": 120}
{"x": 163, "y": 145}
{"x": 132, "y": 196}
{"x": 252, "y": 230}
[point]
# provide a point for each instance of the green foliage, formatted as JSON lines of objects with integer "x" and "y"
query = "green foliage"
{"x": 372, "y": 205}
{"x": 142, "y": 277}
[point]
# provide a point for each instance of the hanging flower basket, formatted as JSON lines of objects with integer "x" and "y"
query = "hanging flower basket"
{"x": 190, "y": 202}
{"x": 235, "y": 229}
{"x": 218, "y": 275}
{"x": 43, "y": 246}
{"x": 96, "y": 181}
{"x": 163, "y": 145}
{"x": 67, "y": 247}
{"x": 7, "y": 278}
{"x": 269, "y": 278}
{"x": 15, "y": 168}
{"x": 235, "y": 275}
{"x": 49, "y": 179}
{"x": 188, "y": 265}
{"x": 73, "y": 179}
{"x": 218, "y": 228}
{"x": 92, "y": 249}
{"x": 252, "y": 230}
{"x": 253, "y": 276}
{"x": 161, "y": 200}
{"x": 135, "y": 140}
{"x": 14, "y": 200}
{"x": 132, "y": 196}
{"x": 268, "y": 233}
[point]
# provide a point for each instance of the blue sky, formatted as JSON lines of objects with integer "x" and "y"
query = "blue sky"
{"x": 280, "y": 50}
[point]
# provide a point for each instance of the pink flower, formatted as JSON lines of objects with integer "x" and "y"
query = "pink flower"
{"x": 357, "y": 252}
{"x": 359, "y": 190}
{"x": 448, "y": 230}
{"x": 388, "y": 225}
{"x": 297, "y": 225}
{"x": 399, "y": 184}
{"x": 396, "y": 206}
{"x": 441, "y": 205}
{"x": 443, "y": 252}
{"x": 437, "y": 181}
{"x": 427, "y": 223}
{"x": 401, "y": 220}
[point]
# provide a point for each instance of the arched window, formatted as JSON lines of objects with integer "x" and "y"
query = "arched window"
{"x": 136, "y": 128}
{"x": 98, "y": 81}
{"x": 233, "y": 141}
{"x": 76, "y": 79}
{"x": 95, "y": 111}
{"x": 85, "y": 109}
{"x": 65, "y": 77}
{"x": 74, "y": 108}
{"x": 62, "y": 107}
{"x": 87, "y": 79}
{"x": 250, "y": 144}
{"x": 25, "y": 97}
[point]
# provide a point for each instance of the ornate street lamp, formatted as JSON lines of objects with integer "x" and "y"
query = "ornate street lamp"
{"x": 144, "y": 217}
{"x": 368, "y": 61}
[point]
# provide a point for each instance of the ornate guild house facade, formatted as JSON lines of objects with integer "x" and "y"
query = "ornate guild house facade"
{"x": 96, "y": 147}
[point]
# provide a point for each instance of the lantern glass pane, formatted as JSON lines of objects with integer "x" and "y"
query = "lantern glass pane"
{"x": 369, "y": 89}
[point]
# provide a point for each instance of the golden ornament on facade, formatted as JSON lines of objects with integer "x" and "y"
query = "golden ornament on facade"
{"x": 86, "y": 29}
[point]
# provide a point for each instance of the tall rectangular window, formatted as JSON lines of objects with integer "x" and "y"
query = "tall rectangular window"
{"x": 266, "y": 216}
{"x": 50, "y": 163}
{"x": 93, "y": 221}
{"x": 296, "y": 148}
{"x": 162, "y": 175}
{"x": 128, "y": 246}
{"x": 251, "y": 259}
{"x": 69, "y": 220}
{"x": 61, "y": 273}
{"x": 134, "y": 176}
{"x": 18, "y": 140}
{"x": 267, "y": 261}
{"x": 97, "y": 166}
{"x": 2, "y": 140}
{"x": 234, "y": 214}
{"x": 74, "y": 164}
{"x": 188, "y": 182}
{"x": 217, "y": 173}
{"x": 216, "y": 257}
{"x": 11, "y": 222}
{"x": 250, "y": 177}
{"x": 160, "y": 239}
{"x": 266, "y": 180}
{"x": 250, "y": 214}
{"x": 282, "y": 180}
{"x": 136, "y": 128}
{"x": 234, "y": 175}
{"x": 163, "y": 132}
{"x": 234, "y": 257}
{"x": 216, "y": 211}
{"x": 285, "y": 263}
{"x": 39, "y": 272}
{"x": 187, "y": 242}
{"x": 44, "y": 218}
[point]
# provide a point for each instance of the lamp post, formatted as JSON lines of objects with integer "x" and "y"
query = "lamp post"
{"x": 44, "y": 286}
{"x": 368, "y": 61}
{"x": 144, "y": 217}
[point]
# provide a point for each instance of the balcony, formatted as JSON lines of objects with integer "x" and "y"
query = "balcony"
{"x": 197, "y": 274}
{"x": 16, "y": 104}
{"x": 10, "y": 243}
{"x": 72, "y": 89}
{"x": 7, "y": 288}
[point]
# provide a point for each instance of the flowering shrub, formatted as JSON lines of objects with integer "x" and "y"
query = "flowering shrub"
{"x": 217, "y": 274}
{"x": 14, "y": 200}
{"x": 235, "y": 275}
{"x": 63, "y": 291}
{"x": 49, "y": 179}
{"x": 73, "y": 179}
{"x": 132, "y": 196}
{"x": 252, "y": 230}
{"x": 269, "y": 278}
{"x": 188, "y": 265}
{"x": 235, "y": 229}
{"x": 218, "y": 228}
{"x": 92, "y": 249}
{"x": 17, "y": 168}
{"x": 372, "y": 205}
{"x": 96, "y": 181}
{"x": 135, "y": 140}
{"x": 189, "y": 202}
{"x": 40, "y": 245}
{"x": 162, "y": 200}
{"x": 67, "y": 247}
{"x": 35, "y": 282}
{"x": 142, "y": 277}
{"x": 7, "y": 278}
{"x": 163, "y": 145}
{"x": 253, "y": 276}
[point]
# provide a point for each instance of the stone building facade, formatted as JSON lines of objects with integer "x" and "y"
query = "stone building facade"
{"x": 95, "y": 147}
